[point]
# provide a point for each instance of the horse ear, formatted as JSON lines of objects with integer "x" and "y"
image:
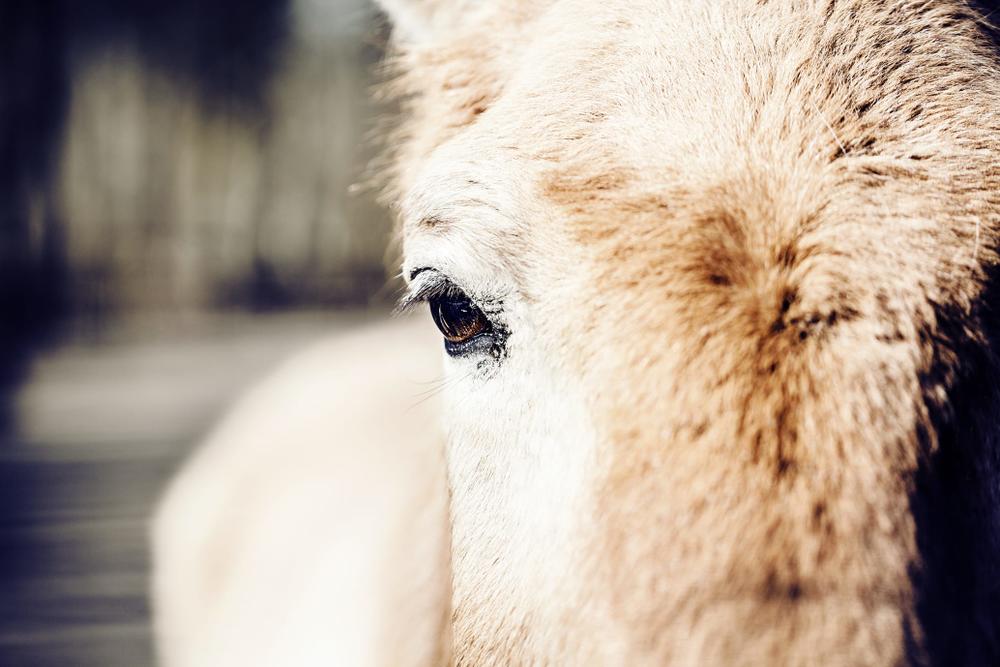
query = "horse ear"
{"x": 416, "y": 21}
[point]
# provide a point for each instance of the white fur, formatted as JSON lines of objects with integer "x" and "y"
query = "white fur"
{"x": 700, "y": 441}
{"x": 311, "y": 529}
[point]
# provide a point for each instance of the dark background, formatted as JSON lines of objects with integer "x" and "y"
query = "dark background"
{"x": 176, "y": 216}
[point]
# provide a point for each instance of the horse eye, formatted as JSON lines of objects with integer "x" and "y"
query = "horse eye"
{"x": 458, "y": 319}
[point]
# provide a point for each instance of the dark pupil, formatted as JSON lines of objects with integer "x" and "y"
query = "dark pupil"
{"x": 457, "y": 318}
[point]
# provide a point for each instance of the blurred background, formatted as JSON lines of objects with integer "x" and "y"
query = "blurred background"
{"x": 176, "y": 215}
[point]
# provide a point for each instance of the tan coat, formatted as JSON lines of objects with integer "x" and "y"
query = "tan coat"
{"x": 740, "y": 260}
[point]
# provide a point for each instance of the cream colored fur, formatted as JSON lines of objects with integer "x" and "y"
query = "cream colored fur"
{"x": 745, "y": 250}
{"x": 311, "y": 529}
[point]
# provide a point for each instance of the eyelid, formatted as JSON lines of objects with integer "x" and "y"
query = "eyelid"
{"x": 425, "y": 284}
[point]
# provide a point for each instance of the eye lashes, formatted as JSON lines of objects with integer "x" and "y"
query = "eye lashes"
{"x": 433, "y": 286}
{"x": 427, "y": 284}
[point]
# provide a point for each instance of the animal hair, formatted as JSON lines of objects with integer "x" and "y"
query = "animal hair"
{"x": 787, "y": 212}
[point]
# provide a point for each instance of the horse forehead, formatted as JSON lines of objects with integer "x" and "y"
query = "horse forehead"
{"x": 627, "y": 53}
{"x": 638, "y": 84}
{"x": 620, "y": 88}
{"x": 641, "y": 110}
{"x": 711, "y": 67}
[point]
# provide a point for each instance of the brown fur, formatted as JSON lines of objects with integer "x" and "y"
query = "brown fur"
{"x": 786, "y": 331}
